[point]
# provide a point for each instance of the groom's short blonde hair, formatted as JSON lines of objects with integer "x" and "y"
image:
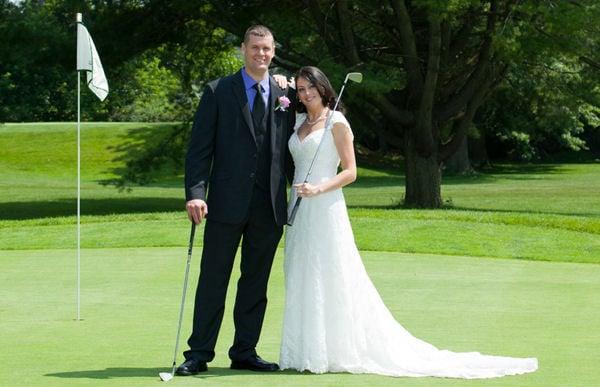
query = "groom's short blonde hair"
{"x": 258, "y": 30}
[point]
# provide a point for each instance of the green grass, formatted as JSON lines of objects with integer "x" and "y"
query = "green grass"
{"x": 130, "y": 306}
{"x": 537, "y": 297}
{"x": 535, "y": 212}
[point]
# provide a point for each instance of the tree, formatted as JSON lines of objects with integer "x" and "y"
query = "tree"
{"x": 541, "y": 110}
{"x": 429, "y": 64}
{"x": 34, "y": 84}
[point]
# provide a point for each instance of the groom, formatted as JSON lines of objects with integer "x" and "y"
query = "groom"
{"x": 238, "y": 152}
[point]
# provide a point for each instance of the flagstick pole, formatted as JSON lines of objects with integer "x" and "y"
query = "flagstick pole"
{"x": 78, "y": 189}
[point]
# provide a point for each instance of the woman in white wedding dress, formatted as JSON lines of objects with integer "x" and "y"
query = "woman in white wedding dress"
{"x": 334, "y": 319}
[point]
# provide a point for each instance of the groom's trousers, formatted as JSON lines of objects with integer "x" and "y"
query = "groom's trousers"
{"x": 260, "y": 236}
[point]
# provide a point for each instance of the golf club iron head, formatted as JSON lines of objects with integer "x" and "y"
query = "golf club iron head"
{"x": 354, "y": 77}
{"x": 165, "y": 376}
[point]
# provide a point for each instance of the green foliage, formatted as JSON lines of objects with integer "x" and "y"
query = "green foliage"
{"x": 541, "y": 109}
{"x": 34, "y": 84}
{"x": 550, "y": 91}
{"x": 175, "y": 81}
{"x": 152, "y": 90}
{"x": 149, "y": 80}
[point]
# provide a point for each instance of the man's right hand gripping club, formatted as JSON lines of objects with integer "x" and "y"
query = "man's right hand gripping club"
{"x": 197, "y": 210}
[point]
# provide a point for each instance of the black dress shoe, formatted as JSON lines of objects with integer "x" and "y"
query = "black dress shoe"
{"x": 254, "y": 363}
{"x": 191, "y": 367}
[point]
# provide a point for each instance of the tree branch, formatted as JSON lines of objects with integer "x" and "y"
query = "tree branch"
{"x": 350, "y": 51}
{"x": 390, "y": 111}
{"x": 590, "y": 62}
{"x": 408, "y": 44}
{"x": 321, "y": 22}
{"x": 461, "y": 100}
{"x": 462, "y": 124}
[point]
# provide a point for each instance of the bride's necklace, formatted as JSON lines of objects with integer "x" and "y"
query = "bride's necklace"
{"x": 319, "y": 118}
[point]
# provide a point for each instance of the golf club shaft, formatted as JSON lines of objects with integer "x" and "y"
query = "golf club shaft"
{"x": 185, "y": 281}
{"x": 292, "y": 216}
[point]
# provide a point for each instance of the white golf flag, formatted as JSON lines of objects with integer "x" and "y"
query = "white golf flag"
{"x": 89, "y": 61}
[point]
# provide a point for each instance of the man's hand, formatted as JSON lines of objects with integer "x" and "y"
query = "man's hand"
{"x": 197, "y": 210}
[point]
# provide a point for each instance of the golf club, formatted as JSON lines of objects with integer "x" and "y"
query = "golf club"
{"x": 354, "y": 77}
{"x": 166, "y": 376}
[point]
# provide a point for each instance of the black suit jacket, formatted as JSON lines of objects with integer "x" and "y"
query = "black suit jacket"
{"x": 222, "y": 152}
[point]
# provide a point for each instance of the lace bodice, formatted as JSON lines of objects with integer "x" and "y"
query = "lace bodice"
{"x": 302, "y": 151}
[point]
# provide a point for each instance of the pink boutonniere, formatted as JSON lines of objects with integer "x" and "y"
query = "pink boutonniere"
{"x": 284, "y": 103}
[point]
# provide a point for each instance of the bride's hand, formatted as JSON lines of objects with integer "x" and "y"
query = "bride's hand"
{"x": 281, "y": 80}
{"x": 307, "y": 190}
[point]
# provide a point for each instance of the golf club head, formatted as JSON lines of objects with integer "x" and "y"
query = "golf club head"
{"x": 165, "y": 376}
{"x": 354, "y": 77}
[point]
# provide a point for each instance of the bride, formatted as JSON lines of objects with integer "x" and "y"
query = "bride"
{"x": 334, "y": 319}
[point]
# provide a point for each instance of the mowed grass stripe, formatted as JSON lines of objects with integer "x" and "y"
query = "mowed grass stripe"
{"x": 406, "y": 235}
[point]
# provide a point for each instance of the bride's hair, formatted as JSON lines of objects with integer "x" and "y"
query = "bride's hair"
{"x": 317, "y": 78}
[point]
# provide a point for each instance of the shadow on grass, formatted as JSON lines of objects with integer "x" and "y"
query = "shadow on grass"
{"x": 510, "y": 169}
{"x": 378, "y": 181}
{"x": 447, "y": 207}
{"x": 526, "y": 211}
{"x": 110, "y": 373}
{"x": 148, "y": 154}
{"x": 134, "y": 372}
{"x": 511, "y": 172}
{"x": 68, "y": 207}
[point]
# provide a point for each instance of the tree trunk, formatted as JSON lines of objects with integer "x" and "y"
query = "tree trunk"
{"x": 423, "y": 179}
{"x": 459, "y": 163}
{"x": 478, "y": 151}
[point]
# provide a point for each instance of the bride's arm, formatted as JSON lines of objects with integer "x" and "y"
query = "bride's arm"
{"x": 342, "y": 137}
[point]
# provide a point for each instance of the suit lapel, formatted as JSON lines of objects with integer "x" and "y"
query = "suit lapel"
{"x": 276, "y": 92}
{"x": 240, "y": 94}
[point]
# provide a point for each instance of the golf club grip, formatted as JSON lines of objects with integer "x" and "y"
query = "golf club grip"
{"x": 192, "y": 234}
{"x": 294, "y": 210}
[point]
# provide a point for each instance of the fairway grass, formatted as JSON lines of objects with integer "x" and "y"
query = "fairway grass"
{"x": 546, "y": 212}
{"x": 130, "y": 302}
{"x": 537, "y": 297}
{"x": 440, "y": 232}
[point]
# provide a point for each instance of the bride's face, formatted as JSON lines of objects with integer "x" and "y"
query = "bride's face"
{"x": 308, "y": 93}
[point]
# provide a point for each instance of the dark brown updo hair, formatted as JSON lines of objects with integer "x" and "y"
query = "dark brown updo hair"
{"x": 317, "y": 78}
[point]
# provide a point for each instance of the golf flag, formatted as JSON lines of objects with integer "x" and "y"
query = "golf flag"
{"x": 89, "y": 61}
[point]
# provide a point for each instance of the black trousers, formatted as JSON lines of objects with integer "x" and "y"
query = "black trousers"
{"x": 260, "y": 236}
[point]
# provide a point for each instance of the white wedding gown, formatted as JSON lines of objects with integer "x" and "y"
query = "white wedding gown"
{"x": 334, "y": 319}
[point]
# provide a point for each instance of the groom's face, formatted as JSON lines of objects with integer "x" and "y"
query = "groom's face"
{"x": 258, "y": 52}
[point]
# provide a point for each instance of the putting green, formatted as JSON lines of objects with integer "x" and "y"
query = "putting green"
{"x": 130, "y": 302}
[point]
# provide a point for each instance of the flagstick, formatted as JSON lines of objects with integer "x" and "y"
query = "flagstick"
{"x": 88, "y": 61}
{"x": 78, "y": 196}
{"x": 78, "y": 188}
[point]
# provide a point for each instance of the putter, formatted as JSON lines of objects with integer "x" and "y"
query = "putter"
{"x": 354, "y": 77}
{"x": 166, "y": 376}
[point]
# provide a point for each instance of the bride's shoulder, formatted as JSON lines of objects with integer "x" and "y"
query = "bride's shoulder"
{"x": 300, "y": 117}
{"x": 340, "y": 125}
{"x": 338, "y": 116}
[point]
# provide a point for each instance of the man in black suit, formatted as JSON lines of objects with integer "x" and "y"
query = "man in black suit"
{"x": 238, "y": 151}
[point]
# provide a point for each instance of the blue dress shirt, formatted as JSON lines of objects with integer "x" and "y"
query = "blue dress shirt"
{"x": 249, "y": 83}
